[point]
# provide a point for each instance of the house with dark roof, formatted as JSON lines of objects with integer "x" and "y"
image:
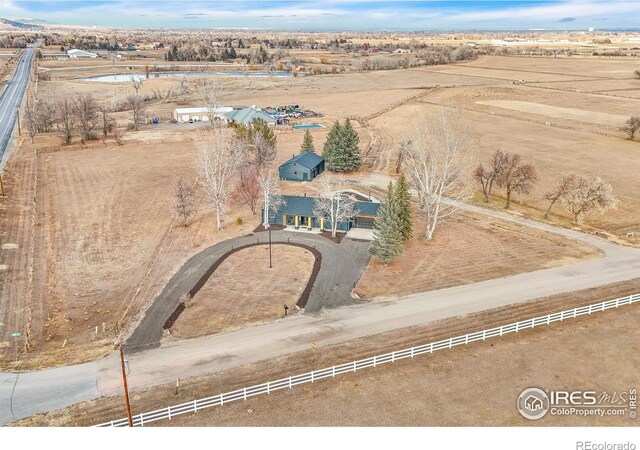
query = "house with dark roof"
{"x": 303, "y": 167}
{"x": 297, "y": 212}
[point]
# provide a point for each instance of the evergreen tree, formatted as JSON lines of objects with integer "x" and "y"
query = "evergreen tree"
{"x": 350, "y": 146}
{"x": 387, "y": 236}
{"x": 307, "y": 143}
{"x": 403, "y": 201}
{"x": 332, "y": 143}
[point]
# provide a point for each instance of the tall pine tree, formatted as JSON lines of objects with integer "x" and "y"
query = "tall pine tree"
{"x": 402, "y": 199}
{"x": 307, "y": 143}
{"x": 331, "y": 144}
{"x": 387, "y": 236}
{"x": 350, "y": 147}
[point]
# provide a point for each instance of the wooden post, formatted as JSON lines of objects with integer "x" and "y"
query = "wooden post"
{"x": 18, "y": 117}
{"x": 1, "y": 186}
{"x": 126, "y": 390}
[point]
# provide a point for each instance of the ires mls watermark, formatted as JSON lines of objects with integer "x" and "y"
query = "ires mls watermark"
{"x": 534, "y": 403}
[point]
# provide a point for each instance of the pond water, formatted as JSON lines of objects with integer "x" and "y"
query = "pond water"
{"x": 127, "y": 77}
{"x": 307, "y": 126}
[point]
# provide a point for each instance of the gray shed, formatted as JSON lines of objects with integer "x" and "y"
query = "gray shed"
{"x": 302, "y": 167}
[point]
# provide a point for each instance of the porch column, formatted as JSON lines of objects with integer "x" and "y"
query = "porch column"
{"x": 297, "y": 220}
{"x": 309, "y": 223}
{"x": 284, "y": 220}
{"x": 322, "y": 224}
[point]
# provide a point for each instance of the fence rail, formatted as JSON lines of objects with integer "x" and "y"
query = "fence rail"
{"x": 310, "y": 377}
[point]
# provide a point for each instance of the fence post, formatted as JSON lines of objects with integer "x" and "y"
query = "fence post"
{"x": 466, "y": 339}
{"x": 484, "y": 334}
{"x": 195, "y": 406}
{"x": 393, "y": 356}
{"x": 312, "y": 376}
{"x": 412, "y": 351}
{"x": 169, "y": 411}
{"x": 548, "y": 319}
{"x": 589, "y": 311}
{"x": 431, "y": 347}
{"x": 268, "y": 388}
{"x": 333, "y": 371}
{"x": 141, "y": 420}
{"x": 289, "y": 382}
{"x": 374, "y": 361}
{"x": 517, "y": 324}
{"x": 354, "y": 366}
{"x": 245, "y": 390}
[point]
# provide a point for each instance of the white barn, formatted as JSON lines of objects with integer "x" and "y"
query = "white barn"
{"x": 184, "y": 115}
{"x": 79, "y": 54}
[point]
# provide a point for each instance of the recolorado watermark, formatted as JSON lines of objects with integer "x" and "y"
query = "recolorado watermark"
{"x": 534, "y": 404}
{"x": 588, "y": 445}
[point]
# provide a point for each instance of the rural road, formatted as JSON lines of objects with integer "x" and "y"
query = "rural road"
{"x": 12, "y": 98}
{"x": 45, "y": 390}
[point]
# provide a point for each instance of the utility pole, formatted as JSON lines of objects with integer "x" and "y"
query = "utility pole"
{"x": 269, "y": 228}
{"x": 18, "y": 117}
{"x": 126, "y": 390}
{"x": 1, "y": 186}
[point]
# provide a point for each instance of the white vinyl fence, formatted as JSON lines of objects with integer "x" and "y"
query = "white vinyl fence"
{"x": 310, "y": 377}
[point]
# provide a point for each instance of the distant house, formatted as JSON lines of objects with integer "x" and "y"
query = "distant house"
{"x": 402, "y": 50}
{"x": 80, "y": 54}
{"x": 297, "y": 212}
{"x": 201, "y": 114}
{"x": 302, "y": 167}
{"x": 247, "y": 115}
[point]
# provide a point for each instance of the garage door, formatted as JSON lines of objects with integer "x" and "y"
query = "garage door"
{"x": 364, "y": 222}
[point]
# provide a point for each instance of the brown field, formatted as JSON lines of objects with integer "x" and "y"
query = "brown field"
{"x": 89, "y": 232}
{"x": 452, "y": 258}
{"x": 244, "y": 291}
{"x": 586, "y": 351}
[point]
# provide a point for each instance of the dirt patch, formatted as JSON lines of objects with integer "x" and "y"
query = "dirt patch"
{"x": 337, "y": 239}
{"x": 506, "y": 374}
{"x": 231, "y": 299}
{"x": 467, "y": 249}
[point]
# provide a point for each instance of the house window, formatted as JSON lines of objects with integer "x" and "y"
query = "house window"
{"x": 272, "y": 214}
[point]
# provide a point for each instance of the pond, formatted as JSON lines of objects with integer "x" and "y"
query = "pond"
{"x": 127, "y": 77}
{"x": 307, "y": 126}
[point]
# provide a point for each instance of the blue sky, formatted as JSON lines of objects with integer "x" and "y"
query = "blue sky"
{"x": 319, "y": 14}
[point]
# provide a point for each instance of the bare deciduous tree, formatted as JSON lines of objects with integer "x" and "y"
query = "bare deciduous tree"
{"x": 220, "y": 157}
{"x": 437, "y": 164}
{"x": 587, "y": 194}
{"x": 516, "y": 177}
{"x": 333, "y": 204}
{"x": 31, "y": 118}
{"x": 631, "y": 126}
{"x": 248, "y": 187}
{"x": 135, "y": 103}
{"x": 106, "y": 122}
{"x": 184, "y": 203}
{"x": 86, "y": 111}
{"x": 271, "y": 198}
{"x": 559, "y": 191}
{"x": 46, "y": 116}
{"x": 487, "y": 177}
{"x": 66, "y": 119}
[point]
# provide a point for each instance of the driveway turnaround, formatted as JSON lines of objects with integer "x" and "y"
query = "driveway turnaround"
{"x": 341, "y": 267}
{"x": 328, "y": 326}
{"x": 12, "y": 98}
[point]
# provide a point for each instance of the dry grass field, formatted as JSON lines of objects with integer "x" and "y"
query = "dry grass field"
{"x": 244, "y": 291}
{"x": 485, "y": 378}
{"x": 459, "y": 256}
{"x": 87, "y": 236}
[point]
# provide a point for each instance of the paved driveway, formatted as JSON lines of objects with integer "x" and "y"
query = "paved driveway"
{"x": 341, "y": 267}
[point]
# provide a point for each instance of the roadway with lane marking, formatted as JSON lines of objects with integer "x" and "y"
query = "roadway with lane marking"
{"x": 11, "y": 100}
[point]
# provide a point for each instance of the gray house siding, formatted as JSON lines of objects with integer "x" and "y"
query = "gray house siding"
{"x": 304, "y": 167}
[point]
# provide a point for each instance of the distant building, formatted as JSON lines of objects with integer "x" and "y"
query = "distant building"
{"x": 184, "y": 115}
{"x": 302, "y": 167}
{"x": 402, "y": 50}
{"x": 297, "y": 212}
{"x": 247, "y": 115}
{"x": 80, "y": 54}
